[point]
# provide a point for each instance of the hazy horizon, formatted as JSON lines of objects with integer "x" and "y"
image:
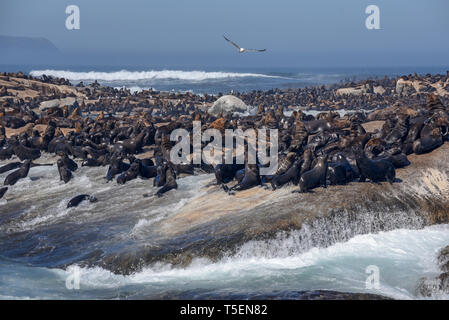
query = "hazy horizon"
{"x": 322, "y": 33}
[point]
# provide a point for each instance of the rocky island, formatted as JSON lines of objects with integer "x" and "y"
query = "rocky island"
{"x": 382, "y": 143}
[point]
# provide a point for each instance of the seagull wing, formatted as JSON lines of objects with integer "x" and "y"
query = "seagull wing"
{"x": 233, "y": 43}
{"x": 256, "y": 50}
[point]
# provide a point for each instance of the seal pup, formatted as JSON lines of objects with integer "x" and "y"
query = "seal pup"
{"x": 13, "y": 177}
{"x": 75, "y": 201}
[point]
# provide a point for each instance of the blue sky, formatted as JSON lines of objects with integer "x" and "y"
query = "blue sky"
{"x": 309, "y": 32}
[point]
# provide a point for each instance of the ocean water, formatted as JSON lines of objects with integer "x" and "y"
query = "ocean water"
{"x": 42, "y": 241}
{"x": 215, "y": 80}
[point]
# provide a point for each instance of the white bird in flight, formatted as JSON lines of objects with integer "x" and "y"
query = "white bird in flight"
{"x": 242, "y": 50}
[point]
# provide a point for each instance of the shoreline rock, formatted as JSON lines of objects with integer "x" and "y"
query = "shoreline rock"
{"x": 227, "y": 105}
{"x": 421, "y": 199}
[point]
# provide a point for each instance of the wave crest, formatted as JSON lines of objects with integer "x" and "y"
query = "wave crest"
{"x": 125, "y": 75}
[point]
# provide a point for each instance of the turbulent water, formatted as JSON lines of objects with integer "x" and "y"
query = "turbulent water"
{"x": 196, "y": 81}
{"x": 38, "y": 232}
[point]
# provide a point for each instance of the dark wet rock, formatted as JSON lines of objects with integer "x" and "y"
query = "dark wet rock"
{"x": 275, "y": 295}
{"x": 443, "y": 259}
{"x": 3, "y": 191}
{"x": 70, "y": 102}
{"x": 429, "y": 287}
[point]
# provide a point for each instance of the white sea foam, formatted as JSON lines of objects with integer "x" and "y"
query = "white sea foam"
{"x": 133, "y": 89}
{"x": 403, "y": 257}
{"x": 125, "y": 75}
{"x": 189, "y": 188}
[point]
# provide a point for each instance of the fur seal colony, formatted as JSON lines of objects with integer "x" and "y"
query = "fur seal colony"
{"x": 121, "y": 141}
{"x": 113, "y": 128}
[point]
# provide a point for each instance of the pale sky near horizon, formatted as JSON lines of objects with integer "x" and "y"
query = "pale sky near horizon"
{"x": 299, "y": 32}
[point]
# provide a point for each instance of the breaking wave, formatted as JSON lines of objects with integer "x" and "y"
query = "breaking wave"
{"x": 125, "y": 75}
{"x": 402, "y": 256}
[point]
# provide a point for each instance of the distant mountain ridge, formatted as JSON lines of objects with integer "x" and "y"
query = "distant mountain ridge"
{"x": 27, "y": 50}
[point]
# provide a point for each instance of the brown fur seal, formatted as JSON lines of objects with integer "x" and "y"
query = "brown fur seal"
{"x": 291, "y": 175}
{"x": 375, "y": 170}
{"x": 224, "y": 173}
{"x": 315, "y": 177}
{"x": 159, "y": 180}
{"x": 130, "y": 174}
{"x": 13, "y": 177}
{"x": 170, "y": 182}
{"x": 339, "y": 171}
{"x": 68, "y": 163}
{"x": 307, "y": 162}
{"x": 25, "y": 153}
{"x": 431, "y": 136}
{"x": 116, "y": 166}
{"x": 10, "y": 166}
{"x": 75, "y": 201}
{"x": 316, "y": 126}
{"x": 147, "y": 171}
{"x": 251, "y": 179}
{"x": 285, "y": 163}
{"x": 64, "y": 173}
{"x": 400, "y": 130}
